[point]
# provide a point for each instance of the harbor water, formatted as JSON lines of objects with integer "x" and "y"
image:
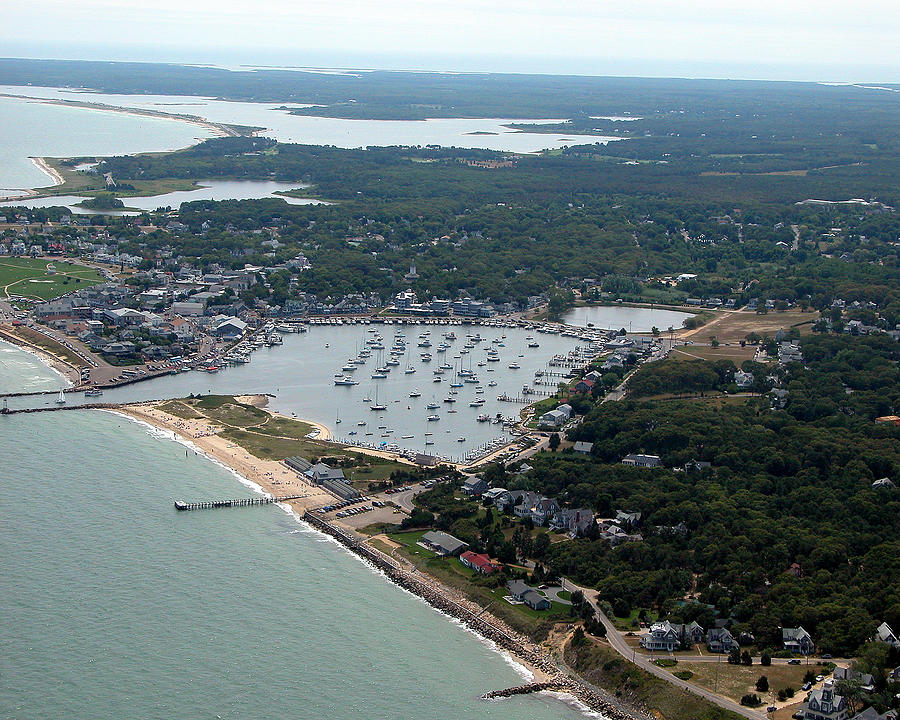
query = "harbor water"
{"x": 300, "y": 374}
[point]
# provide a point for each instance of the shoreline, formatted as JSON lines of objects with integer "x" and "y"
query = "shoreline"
{"x": 67, "y": 372}
{"x": 218, "y": 129}
{"x": 273, "y": 478}
{"x": 45, "y": 167}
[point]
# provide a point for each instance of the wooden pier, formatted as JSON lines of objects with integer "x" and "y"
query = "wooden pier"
{"x": 240, "y": 502}
{"x": 516, "y": 399}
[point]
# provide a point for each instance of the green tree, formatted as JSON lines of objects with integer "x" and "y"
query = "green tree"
{"x": 554, "y": 441}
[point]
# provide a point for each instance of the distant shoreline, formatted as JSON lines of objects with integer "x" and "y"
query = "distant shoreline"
{"x": 219, "y": 129}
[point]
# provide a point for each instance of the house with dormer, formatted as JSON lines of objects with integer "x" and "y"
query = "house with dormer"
{"x": 797, "y": 640}
{"x": 662, "y": 636}
{"x": 720, "y": 640}
{"x": 824, "y": 704}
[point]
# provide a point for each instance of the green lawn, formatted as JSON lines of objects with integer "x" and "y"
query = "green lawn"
{"x": 285, "y": 427}
{"x": 630, "y": 622}
{"x": 180, "y": 409}
{"x": 29, "y": 278}
{"x": 408, "y": 540}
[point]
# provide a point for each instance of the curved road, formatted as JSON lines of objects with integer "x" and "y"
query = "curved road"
{"x": 615, "y": 639}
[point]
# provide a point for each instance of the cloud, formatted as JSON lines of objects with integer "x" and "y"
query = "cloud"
{"x": 786, "y": 32}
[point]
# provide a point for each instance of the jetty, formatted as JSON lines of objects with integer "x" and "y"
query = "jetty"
{"x": 526, "y": 689}
{"x": 240, "y": 502}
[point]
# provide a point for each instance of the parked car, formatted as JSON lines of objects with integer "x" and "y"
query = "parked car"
{"x": 820, "y": 678}
{"x": 794, "y": 661}
{"x": 826, "y": 656}
{"x": 771, "y": 708}
{"x": 806, "y": 686}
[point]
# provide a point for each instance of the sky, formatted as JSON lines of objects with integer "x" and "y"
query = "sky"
{"x": 762, "y": 39}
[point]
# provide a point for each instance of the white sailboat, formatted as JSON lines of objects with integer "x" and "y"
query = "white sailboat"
{"x": 61, "y": 400}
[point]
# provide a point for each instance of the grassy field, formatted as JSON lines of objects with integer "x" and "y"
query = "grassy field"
{"x": 285, "y": 427}
{"x": 180, "y": 409}
{"x": 29, "y": 278}
{"x": 601, "y": 665}
{"x": 733, "y": 327}
{"x": 733, "y": 681}
{"x": 274, "y": 438}
{"x": 735, "y": 353}
{"x": 630, "y": 623}
{"x": 450, "y": 571}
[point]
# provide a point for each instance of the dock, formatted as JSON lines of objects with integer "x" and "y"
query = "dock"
{"x": 240, "y": 502}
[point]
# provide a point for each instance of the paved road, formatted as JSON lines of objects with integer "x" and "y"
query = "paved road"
{"x": 404, "y": 499}
{"x": 617, "y": 641}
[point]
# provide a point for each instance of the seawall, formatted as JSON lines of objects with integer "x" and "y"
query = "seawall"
{"x": 514, "y": 645}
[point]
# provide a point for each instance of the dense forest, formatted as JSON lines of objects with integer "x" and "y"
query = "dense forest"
{"x": 508, "y": 233}
{"x": 785, "y": 486}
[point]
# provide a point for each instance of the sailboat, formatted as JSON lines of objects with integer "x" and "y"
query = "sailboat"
{"x": 377, "y": 405}
{"x": 61, "y": 400}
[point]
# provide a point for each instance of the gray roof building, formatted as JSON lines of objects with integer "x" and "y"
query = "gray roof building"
{"x": 443, "y": 543}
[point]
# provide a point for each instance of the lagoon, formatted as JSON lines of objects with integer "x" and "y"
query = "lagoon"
{"x": 70, "y": 131}
{"x": 633, "y": 319}
{"x": 206, "y": 190}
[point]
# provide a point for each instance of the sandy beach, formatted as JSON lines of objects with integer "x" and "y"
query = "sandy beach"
{"x": 70, "y": 373}
{"x": 45, "y": 167}
{"x": 276, "y": 479}
{"x": 272, "y": 476}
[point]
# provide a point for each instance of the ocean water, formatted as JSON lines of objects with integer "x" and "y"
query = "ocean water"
{"x": 32, "y": 129}
{"x": 22, "y": 371}
{"x": 117, "y": 606}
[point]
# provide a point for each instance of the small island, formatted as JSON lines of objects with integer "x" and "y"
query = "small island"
{"x": 102, "y": 201}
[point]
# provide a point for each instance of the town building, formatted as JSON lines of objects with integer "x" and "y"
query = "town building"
{"x": 797, "y": 640}
{"x": 720, "y": 640}
{"x": 647, "y": 461}
{"x": 474, "y": 486}
{"x": 443, "y": 543}
{"x": 661, "y": 636}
